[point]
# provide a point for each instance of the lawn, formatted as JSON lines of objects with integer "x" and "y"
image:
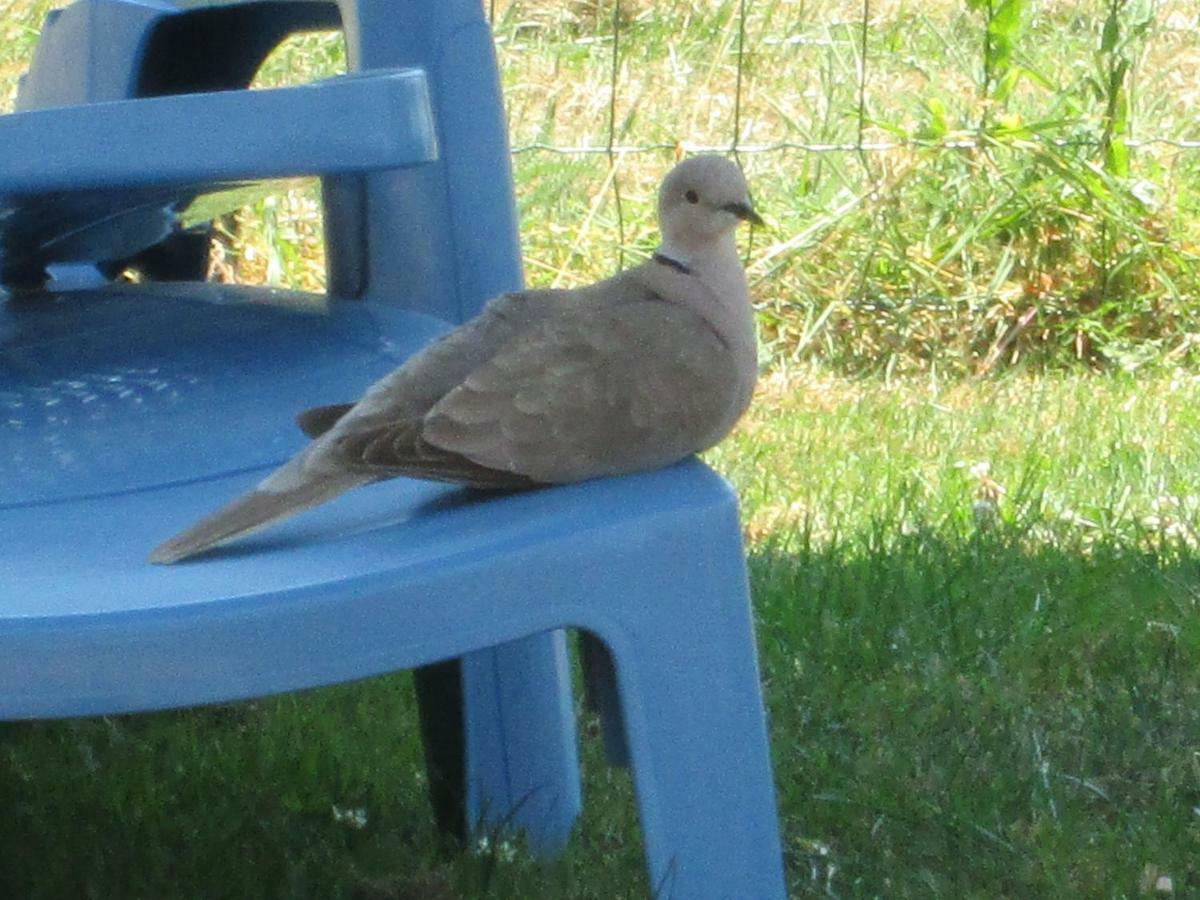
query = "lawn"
{"x": 980, "y": 650}
{"x": 974, "y": 543}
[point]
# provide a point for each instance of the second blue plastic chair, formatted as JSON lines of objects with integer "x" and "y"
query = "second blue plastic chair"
{"x": 137, "y": 408}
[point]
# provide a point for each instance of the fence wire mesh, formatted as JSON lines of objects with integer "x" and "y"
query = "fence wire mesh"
{"x": 948, "y": 181}
{"x": 924, "y": 163}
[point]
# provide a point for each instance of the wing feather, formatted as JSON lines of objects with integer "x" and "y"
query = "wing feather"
{"x": 603, "y": 391}
{"x": 549, "y": 387}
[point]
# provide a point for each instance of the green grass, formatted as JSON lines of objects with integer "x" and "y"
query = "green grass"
{"x": 966, "y": 700}
{"x": 992, "y": 703}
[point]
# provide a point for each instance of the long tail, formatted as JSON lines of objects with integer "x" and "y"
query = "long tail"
{"x": 272, "y": 501}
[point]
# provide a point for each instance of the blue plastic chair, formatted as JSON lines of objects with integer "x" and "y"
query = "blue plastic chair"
{"x": 129, "y": 410}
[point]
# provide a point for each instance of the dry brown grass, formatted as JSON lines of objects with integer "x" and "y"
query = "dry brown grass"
{"x": 861, "y": 263}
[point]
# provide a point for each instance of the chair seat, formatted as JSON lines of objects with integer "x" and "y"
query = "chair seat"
{"x": 129, "y": 388}
{"x": 336, "y": 594}
{"x": 113, "y": 445}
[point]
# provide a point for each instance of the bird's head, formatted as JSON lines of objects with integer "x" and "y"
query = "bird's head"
{"x": 702, "y": 199}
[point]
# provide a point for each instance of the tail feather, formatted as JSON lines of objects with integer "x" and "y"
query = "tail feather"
{"x": 249, "y": 513}
{"x": 318, "y": 420}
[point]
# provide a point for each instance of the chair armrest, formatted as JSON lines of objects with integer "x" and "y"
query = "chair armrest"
{"x": 367, "y": 121}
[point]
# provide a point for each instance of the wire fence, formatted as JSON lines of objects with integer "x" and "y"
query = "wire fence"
{"x": 1141, "y": 15}
{"x": 921, "y": 161}
{"x": 1122, "y": 30}
{"x": 955, "y": 178}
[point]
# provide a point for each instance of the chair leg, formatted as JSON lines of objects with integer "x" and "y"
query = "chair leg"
{"x": 440, "y": 702}
{"x": 522, "y": 755}
{"x": 696, "y": 731}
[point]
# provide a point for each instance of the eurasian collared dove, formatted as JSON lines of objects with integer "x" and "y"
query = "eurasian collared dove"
{"x": 548, "y": 386}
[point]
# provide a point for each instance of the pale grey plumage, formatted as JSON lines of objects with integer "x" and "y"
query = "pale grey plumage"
{"x": 544, "y": 386}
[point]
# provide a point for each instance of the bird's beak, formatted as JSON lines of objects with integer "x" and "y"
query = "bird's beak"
{"x": 744, "y": 212}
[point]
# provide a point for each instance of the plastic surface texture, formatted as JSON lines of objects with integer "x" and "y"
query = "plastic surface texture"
{"x": 128, "y": 411}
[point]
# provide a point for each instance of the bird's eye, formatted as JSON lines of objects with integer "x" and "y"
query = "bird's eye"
{"x": 692, "y": 197}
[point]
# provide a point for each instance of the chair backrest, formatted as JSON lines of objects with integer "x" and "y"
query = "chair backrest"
{"x": 439, "y": 238}
{"x": 471, "y": 252}
{"x": 145, "y": 373}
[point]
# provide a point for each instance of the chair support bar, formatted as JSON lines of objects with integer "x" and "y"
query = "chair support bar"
{"x": 226, "y": 136}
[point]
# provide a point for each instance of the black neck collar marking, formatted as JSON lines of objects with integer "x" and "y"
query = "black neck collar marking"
{"x": 671, "y": 264}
